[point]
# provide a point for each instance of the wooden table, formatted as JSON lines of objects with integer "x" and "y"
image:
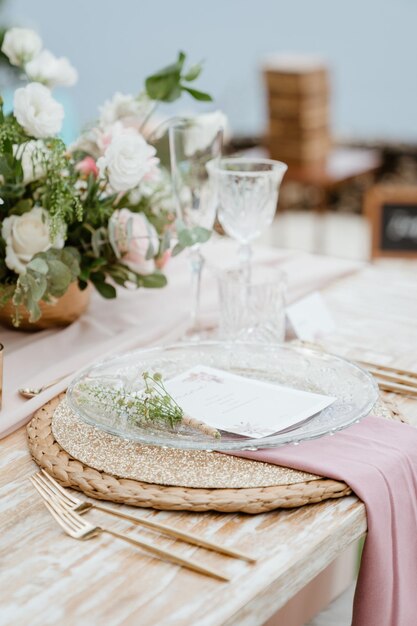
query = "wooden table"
{"x": 48, "y": 578}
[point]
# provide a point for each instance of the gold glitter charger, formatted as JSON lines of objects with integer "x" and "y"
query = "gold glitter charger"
{"x": 163, "y": 466}
{"x": 291, "y": 489}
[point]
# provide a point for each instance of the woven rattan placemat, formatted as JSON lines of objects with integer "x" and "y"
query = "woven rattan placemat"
{"x": 293, "y": 489}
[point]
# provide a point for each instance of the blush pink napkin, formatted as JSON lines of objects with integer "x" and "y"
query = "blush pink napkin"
{"x": 378, "y": 460}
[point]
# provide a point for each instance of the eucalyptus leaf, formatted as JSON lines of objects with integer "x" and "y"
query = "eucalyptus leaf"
{"x": 59, "y": 278}
{"x": 71, "y": 257}
{"x": 39, "y": 265}
{"x": 178, "y": 248}
{"x": 200, "y": 234}
{"x": 37, "y": 285}
{"x": 185, "y": 238}
{"x": 34, "y": 311}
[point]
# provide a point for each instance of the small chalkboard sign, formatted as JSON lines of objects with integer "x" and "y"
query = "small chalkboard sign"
{"x": 392, "y": 212}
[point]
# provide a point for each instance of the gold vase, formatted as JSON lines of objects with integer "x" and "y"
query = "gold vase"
{"x": 62, "y": 312}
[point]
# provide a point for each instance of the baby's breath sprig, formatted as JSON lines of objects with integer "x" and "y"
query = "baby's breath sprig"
{"x": 160, "y": 405}
{"x": 153, "y": 405}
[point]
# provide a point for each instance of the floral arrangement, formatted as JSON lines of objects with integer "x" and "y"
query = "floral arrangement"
{"x": 99, "y": 211}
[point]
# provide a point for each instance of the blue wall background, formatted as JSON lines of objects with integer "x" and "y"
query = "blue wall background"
{"x": 371, "y": 46}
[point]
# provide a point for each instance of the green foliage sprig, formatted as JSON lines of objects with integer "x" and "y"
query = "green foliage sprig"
{"x": 48, "y": 275}
{"x": 168, "y": 84}
{"x": 58, "y": 193}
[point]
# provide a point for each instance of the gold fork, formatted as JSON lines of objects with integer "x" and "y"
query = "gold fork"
{"x": 78, "y": 528}
{"x": 69, "y": 501}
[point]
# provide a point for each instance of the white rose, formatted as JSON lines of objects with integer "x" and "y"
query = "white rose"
{"x": 127, "y": 160}
{"x": 37, "y": 111}
{"x": 202, "y": 131}
{"x": 26, "y": 235}
{"x": 32, "y": 158}
{"x": 125, "y": 108}
{"x": 50, "y": 70}
{"x": 20, "y": 45}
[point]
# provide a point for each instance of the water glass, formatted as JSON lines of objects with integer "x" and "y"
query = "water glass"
{"x": 252, "y": 311}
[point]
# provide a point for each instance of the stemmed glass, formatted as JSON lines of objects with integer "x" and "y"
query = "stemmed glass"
{"x": 192, "y": 146}
{"x": 247, "y": 191}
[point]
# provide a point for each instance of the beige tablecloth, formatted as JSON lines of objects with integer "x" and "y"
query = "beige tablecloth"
{"x": 137, "y": 319}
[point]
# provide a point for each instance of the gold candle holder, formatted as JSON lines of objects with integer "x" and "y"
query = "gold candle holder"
{"x": 1, "y": 372}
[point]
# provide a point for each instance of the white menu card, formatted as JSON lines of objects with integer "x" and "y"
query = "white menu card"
{"x": 241, "y": 405}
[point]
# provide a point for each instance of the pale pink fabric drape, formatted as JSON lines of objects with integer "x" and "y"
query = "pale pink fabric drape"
{"x": 377, "y": 458}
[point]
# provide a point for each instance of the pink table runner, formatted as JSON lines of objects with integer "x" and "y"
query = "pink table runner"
{"x": 378, "y": 460}
{"x": 136, "y": 319}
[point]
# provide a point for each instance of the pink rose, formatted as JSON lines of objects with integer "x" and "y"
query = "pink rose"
{"x": 135, "y": 248}
{"x": 87, "y": 166}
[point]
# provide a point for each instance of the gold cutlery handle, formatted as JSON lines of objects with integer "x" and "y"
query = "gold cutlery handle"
{"x": 168, "y": 556}
{"x": 404, "y": 390}
{"x": 177, "y": 534}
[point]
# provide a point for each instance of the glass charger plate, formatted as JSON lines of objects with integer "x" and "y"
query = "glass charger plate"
{"x": 300, "y": 368}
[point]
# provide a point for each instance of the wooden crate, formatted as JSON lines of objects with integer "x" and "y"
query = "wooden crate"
{"x": 300, "y": 152}
{"x": 298, "y": 84}
{"x": 299, "y": 111}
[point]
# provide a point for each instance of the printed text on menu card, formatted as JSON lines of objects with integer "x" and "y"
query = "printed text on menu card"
{"x": 241, "y": 405}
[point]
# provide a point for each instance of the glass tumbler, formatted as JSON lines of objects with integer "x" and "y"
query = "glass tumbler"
{"x": 252, "y": 311}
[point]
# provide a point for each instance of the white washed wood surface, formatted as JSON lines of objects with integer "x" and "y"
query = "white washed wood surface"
{"x": 48, "y": 578}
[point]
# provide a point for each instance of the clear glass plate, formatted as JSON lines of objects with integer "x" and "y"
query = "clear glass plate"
{"x": 300, "y": 368}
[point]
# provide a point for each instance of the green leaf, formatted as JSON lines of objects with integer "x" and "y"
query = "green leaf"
{"x": 165, "y": 84}
{"x": 104, "y": 289}
{"x": 38, "y": 265}
{"x": 37, "y": 285}
{"x": 178, "y": 248}
{"x": 154, "y": 281}
{"x": 59, "y": 278}
{"x": 165, "y": 89}
{"x": 23, "y": 206}
{"x": 197, "y": 95}
{"x": 185, "y": 238}
{"x": 193, "y": 73}
{"x": 200, "y": 234}
{"x": 71, "y": 257}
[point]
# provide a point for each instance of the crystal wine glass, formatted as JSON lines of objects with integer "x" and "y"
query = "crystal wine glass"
{"x": 247, "y": 191}
{"x": 192, "y": 145}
